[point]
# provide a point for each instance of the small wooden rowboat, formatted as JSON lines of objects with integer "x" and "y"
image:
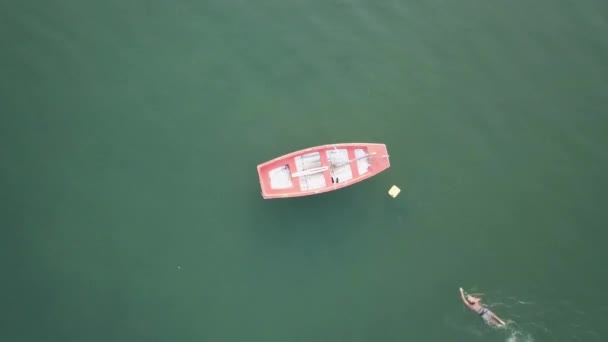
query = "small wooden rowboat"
{"x": 321, "y": 169}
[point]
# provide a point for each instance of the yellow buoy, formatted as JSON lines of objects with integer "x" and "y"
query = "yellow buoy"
{"x": 394, "y": 191}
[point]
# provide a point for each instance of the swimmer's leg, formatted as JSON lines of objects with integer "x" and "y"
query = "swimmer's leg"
{"x": 499, "y": 322}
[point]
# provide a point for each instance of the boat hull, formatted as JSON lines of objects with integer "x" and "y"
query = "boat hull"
{"x": 321, "y": 169}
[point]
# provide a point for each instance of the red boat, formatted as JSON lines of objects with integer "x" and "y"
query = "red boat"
{"x": 321, "y": 169}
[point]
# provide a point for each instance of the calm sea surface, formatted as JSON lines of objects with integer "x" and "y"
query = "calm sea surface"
{"x": 130, "y": 206}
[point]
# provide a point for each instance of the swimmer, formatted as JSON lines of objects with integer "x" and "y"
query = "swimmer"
{"x": 474, "y": 303}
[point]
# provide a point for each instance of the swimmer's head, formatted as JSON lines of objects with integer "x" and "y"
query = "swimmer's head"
{"x": 472, "y": 299}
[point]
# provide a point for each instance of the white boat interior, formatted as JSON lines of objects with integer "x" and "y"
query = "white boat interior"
{"x": 362, "y": 161}
{"x": 280, "y": 178}
{"x": 341, "y": 170}
{"x": 310, "y": 171}
{"x": 310, "y": 181}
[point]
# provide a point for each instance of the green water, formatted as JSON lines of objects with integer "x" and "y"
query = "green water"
{"x": 131, "y": 130}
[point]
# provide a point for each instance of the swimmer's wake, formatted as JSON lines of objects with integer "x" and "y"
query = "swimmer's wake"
{"x": 518, "y": 336}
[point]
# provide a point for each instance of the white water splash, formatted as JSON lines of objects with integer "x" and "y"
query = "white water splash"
{"x": 519, "y": 336}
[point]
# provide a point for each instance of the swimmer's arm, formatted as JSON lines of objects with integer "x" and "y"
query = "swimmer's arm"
{"x": 464, "y": 299}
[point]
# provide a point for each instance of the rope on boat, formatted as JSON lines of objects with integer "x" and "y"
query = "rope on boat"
{"x": 352, "y": 160}
{"x": 333, "y": 166}
{"x": 309, "y": 171}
